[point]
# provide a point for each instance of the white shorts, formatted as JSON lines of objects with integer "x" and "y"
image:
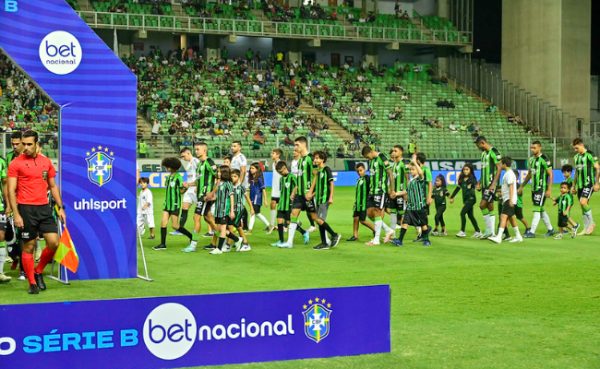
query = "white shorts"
{"x": 189, "y": 197}
{"x": 144, "y": 220}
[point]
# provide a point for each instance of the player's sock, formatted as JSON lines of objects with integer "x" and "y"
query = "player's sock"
{"x": 590, "y": 217}
{"x": 322, "y": 233}
{"x": 328, "y": 229}
{"x": 546, "y": 220}
{"x": 500, "y": 231}
{"x": 273, "y": 216}
{"x": 183, "y": 218}
{"x": 46, "y": 257}
{"x": 251, "y": 222}
{"x": 2, "y": 255}
{"x": 233, "y": 237}
{"x": 163, "y": 235}
{"x": 393, "y": 220}
{"x": 517, "y": 232}
{"x": 185, "y": 232}
{"x": 402, "y": 233}
{"x": 535, "y": 221}
{"x": 584, "y": 209}
{"x": 291, "y": 232}
{"x": 492, "y": 220}
{"x": 378, "y": 225}
{"x": 264, "y": 220}
{"x": 280, "y": 232}
{"x": 28, "y": 266}
{"x": 425, "y": 234}
{"x": 300, "y": 229}
{"x": 486, "y": 215}
{"x": 221, "y": 243}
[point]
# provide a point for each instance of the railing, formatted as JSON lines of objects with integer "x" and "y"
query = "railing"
{"x": 538, "y": 114}
{"x": 359, "y": 32}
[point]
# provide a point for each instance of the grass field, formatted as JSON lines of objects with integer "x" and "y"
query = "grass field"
{"x": 462, "y": 303}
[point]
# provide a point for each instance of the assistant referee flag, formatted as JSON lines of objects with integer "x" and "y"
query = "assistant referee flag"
{"x": 66, "y": 253}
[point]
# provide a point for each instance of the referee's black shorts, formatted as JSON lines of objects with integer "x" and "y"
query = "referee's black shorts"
{"x": 37, "y": 219}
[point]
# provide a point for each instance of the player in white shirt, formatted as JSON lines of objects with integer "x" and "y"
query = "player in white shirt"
{"x": 190, "y": 165}
{"x": 275, "y": 190}
{"x": 509, "y": 201}
{"x": 239, "y": 162}
{"x": 145, "y": 209}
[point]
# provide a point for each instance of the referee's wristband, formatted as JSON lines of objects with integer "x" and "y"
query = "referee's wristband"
{"x": 60, "y": 207}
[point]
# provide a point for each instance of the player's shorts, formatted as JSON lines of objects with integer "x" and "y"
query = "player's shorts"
{"x": 222, "y": 220}
{"x": 563, "y": 221}
{"x": 361, "y": 215}
{"x": 189, "y": 197}
{"x": 488, "y": 196}
{"x": 172, "y": 211}
{"x": 11, "y": 233}
{"x": 284, "y": 214}
{"x": 322, "y": 211}
{"x": 237, "y": 221}
{"x": 300, "y": 202}
{"x": 203, "y": 207}
{"x": 256, "y": 208}
{"x": 415, "y": 218}
{"x": 538, "y": 198}
{"x": 36, "y": 219}
{"x": 585, "y": 192}
{"x": 507, "y": 209}
{"x": 519, "y": 212}
{"x": 376, "y": 201}
{"x": 276, "y": 199}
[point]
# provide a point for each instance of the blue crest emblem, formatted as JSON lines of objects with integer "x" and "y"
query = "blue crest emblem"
{"x": 100, "y": 165}
{"x": 317, "y": 319}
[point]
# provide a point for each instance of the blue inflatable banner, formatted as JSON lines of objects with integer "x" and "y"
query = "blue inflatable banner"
{"x": 172, "y": 332}
{"x": 96, "y": 94}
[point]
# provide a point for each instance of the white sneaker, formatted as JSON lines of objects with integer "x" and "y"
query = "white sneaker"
{"x": 4, "y": 278}
{"x": 216, "y": 252}
{"x": 311, "y": 229}
{"x": 388, "y": 236}
{"x": 516, "y": 239}
{"x": 226, "y": 248}
{"x": 478, "y": 235}
{"x": 22, "y": 277}
{"x": 495, "y": 239}
{"x": 462, "y": 234}
{"x": 286, "y": 245}
{"x": 373, "y": 242}
{"x": 245, "y": 248}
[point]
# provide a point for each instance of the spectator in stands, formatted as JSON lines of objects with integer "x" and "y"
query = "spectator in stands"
{"x": 452, "y": 127}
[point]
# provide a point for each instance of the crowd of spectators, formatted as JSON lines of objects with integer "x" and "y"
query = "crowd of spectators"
{"x": 122, "y": 6}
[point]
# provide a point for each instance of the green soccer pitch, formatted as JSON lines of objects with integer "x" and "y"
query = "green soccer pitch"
{"x": 461, "y": 303}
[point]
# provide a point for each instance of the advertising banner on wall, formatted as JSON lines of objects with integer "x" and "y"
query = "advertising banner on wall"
{"x": 173, "y": 332}
{"x": 96, "y": 94}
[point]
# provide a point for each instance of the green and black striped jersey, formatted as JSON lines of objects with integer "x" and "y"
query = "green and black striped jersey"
{"x": 305, "y": 174}
{"x": 239, "y": 195}
{"x": 538, "y": 167}
{"x": 361, "y": 193}
{"x": 427, "y": 177}
{"x": 584, "y": 169}
{"x": 223, "y": 201}
{"x": 322, "y": 189}
{"x": 417, "y": 194}
{"x": 206, "y": 172}
{"x": 286, "y": 185}
{"x": 3, "y": 174}
{"x": 564, "y": 202}
{"x": 489, "y": 160}
{"x": 399, "y": 170}
{"x": 174, "y": 185}
{"x": 378, "y": 168}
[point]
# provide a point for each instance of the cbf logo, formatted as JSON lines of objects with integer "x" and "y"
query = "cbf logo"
{"x": 317, "y": 319}
{"x": 99, "y": 165}
{"x": 60, "y": 52}
{"x": 11, "y": 6}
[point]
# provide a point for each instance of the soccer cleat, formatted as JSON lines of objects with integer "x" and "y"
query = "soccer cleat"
{"x": 590, "y": 229}
{"x": 311, "y": 229}
{"x": 505, "y": 237}
{"x": 4, "y": 278}
{"x": 238, "y": 244}
{"x": 477, "y": 235}
{"x": 495, "y": 239}
{"x": 208, "y": 234}
{"x": 516, "y": 240}
{"x": 285, "y": 245}
{"x": 39, "y": 281}
{"x": 574, "y": 230}
{"x": 461, "y": 234}
{"x": 245, "y": 248}
{"x": 216, "y": 252}
{"x": 396, "y": 242}
{"x": 22, "y": 276}
{"x": 352, "y": 239}
{"x": 389, "y": 236}
{"x": 160, "y": 247}
{"x": 306, "y": 237}
{"x": 226, "y": 248}
{"x": 443, "y": 234}
{"x": 550, "y": 233}
{"x": 190, "y": 248}
{"x": 558, "y": 236}
{"x": 33, "y": 289}
{"x": 270, "y": 230}
{"x": 418, "y": 239}
{"x": 321, "y": 246}
{"x": 336, "y": 240}
{"x": 151, "y": 237}
{"x": 276, "y": 244}
{"x": 426, "y": 243}
{"x": 486, "y": 234}
{"x": 176, "y": 233}
{"x": 528, "y": 234}
{"x": 372, "y": 243}
{"x": 435, "y": 233}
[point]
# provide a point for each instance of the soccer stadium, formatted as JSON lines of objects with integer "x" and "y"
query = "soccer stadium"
{"x": 299, "y": 184}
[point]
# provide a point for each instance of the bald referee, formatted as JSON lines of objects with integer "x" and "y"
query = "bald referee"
{"x": 30, "y": 176}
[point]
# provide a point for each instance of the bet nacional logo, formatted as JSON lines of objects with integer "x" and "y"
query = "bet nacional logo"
{"x": 60, "y": 52}
{"x": 170, "y": 331}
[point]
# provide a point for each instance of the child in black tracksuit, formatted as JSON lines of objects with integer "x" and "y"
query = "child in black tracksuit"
{"x": 439, "y": 194}
{"x": 467, "y": 183}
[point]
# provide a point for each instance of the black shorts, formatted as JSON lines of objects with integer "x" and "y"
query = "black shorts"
{"x": 300, "y": 202}
{"x": 415, "y": 218}
{"x": 507, "y": 209}
{"x": 203, "y": 207}
{"x": 284, "y": 214}
{"x": 563, "y": 221}
{"x": 256, "y": 208}
{"x": 222, "y": 220}
{"x": 396, "y": 204}
{"x": 538, "y": 198}
{"x": 361, "y": 215}
{"x": 488, "y": 196}
{"x": 37, "y": 219}
{"x": 519, "y": 212}
{"x": 276, "y": 199}
{"x": 586, "y": 192}
{"x": 173, "y": 212}
{"x": 237, "y": 221}
{"x": 376, "y": 201}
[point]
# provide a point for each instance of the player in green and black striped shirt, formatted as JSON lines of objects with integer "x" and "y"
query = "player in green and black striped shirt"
{"x": 175, "y": 187}
{"x": 288, "y": 187}
{"x": 396, "y": 204}
{"x": 416, "y": 204}
{"x": 16, "y": 142}
{"x": 224, "y": 211}
{"x": 540, "y": 173}
{"x": 361, "y": 193}
{"x": 565, "y": 202}
{"x": 380, "y": 186}
{"x": 490, "y": 175}
{"x": 240, "y": 195}
{"x": 3, "y": 220}
{"x": 587, "y": 181}
{"x": 323, "y": 190}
